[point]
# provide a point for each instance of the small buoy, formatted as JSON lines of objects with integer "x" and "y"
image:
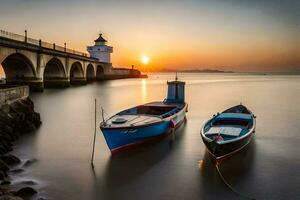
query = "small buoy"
{"x": 172, "y": 124}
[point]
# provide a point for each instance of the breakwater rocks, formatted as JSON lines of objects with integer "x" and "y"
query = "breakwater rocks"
{"x": 16, "y": 119}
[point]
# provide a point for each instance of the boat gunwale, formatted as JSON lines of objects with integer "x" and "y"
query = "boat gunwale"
{"x": 159, "y": 104}
{"x": 126, "y": 127}
{"x": 143, "y": 125}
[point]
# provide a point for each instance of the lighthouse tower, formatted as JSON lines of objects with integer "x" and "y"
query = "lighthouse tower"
{"x": 100, "y": 50}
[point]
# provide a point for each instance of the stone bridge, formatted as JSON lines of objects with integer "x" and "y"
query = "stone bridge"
{"x": 40, "y": 64}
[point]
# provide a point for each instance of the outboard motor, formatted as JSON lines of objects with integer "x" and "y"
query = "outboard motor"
{"x": 175, "y": 91}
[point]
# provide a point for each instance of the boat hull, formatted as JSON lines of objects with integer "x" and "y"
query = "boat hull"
{"x": 118, "y": 139}
{"x": 222, "y": 151}
{"x": 122, "y": 138}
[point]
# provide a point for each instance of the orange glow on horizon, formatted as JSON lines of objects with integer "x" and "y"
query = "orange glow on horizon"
{"x": 247, "y": 57}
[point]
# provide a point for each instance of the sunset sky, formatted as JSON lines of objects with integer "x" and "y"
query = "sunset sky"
{"x": 234, "y": 35}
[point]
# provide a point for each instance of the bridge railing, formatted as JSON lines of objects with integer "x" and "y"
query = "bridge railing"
{"x": 44, "y": 44}
{"x": 12, "y": 36}
{"x": 32, "y": 41}
{"x": 59, "y": 48}
{"x": 8, "y": 95}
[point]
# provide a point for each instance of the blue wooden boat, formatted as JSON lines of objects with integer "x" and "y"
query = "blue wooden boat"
{"x": 146, "y": 122}
{"x": 228, "y": 132}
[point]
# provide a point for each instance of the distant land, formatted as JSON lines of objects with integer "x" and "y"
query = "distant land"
{"x": 221, "y": 71}
{"x": 196, "y": 71}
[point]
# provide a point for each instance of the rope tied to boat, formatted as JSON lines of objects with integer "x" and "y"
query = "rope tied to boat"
{"x": 230, "y": 186}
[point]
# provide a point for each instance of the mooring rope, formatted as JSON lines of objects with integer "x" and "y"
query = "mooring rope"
{"x": 229, "y": 186}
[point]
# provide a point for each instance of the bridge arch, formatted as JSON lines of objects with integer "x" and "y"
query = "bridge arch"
{"x": 17, "y": 67}
{"x": 54, "y": 69}
{"x": 76, "y": 73}
{"x": 90, "y": 73}
{"x": 54, "y": 74}
{"x": 100, "y": 72}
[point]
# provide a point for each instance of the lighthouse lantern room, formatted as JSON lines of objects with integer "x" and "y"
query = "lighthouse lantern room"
{"x": 100, "y": 50}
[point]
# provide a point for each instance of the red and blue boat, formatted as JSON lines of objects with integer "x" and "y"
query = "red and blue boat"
{"x": 146, "y": 122}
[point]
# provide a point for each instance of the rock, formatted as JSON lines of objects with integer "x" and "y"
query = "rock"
{"x": 10, "y": 197}
{"x": 5, "y": 146}
{"x": 29, "y": 162}
{"x": 3, "y": 166}
{"x": 5, "y": 182}
{"x": 5, "y": 108}
{"x": 25, "y": 192}
{"x": 6, "y": 137}
{"x": 29, "y": 103}
{"x": 2, "y": 175}
{"x": 8, "y": 129}
{"x": 3, "y": 150}
{"x": 16, "y": 119}
{"x": 28, "y": 182}
{"x": 16, "y": 135}
{"x": 36, "y": 119}
{"x": 5, "y": 118}
{"x": 10, "y": 159}
{"x": 30, "y": 126}
{"x": 17, "y": 171}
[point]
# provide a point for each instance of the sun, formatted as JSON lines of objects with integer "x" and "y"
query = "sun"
{"x": 145, "y": 59}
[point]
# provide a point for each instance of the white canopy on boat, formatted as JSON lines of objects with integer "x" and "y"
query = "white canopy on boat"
{"x": 231, "y": 131}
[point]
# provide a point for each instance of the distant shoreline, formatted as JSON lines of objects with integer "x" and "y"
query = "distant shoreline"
{"x": 224, "y": 72}
{"x": 198, "y": 71}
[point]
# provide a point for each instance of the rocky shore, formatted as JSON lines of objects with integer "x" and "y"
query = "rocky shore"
{"x": 16, "y": 119}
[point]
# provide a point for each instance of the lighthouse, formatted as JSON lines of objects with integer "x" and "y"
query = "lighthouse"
{"x": 100, "y": 50}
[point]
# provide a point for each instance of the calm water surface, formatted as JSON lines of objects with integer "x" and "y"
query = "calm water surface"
{"x": 61, "y": 147}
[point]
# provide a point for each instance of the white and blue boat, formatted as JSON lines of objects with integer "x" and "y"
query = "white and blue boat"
{"x": 228, "y": 132}
{"x": 146, "y": 122}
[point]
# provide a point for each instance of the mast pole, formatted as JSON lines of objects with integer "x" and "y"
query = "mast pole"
{"x": 95, "y": 130}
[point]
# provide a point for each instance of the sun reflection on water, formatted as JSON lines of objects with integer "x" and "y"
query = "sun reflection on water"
{"x": 200, "y": 164}
{"x": 144, "y": 90}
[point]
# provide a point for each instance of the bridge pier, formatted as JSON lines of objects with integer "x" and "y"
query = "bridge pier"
{"x": 78, "y": 81}
{"x": 90, "y": 80}
{"x": 56, "y": 82}
{"x": 100, "y": 78}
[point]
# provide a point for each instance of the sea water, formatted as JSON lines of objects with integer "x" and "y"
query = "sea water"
{"x": 61, "y": 148}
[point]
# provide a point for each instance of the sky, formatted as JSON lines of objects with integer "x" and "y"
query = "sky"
{"x": 235, "y": 35}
